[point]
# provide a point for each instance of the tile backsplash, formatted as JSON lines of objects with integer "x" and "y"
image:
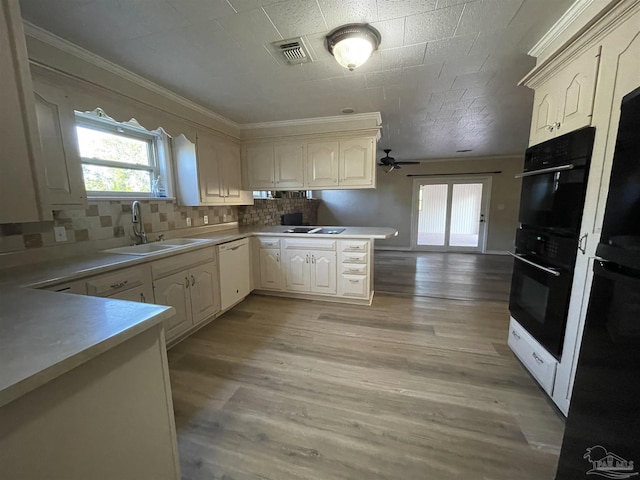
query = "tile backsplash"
{"x": 267, "y": 211}
{"x": 107, "y": 223}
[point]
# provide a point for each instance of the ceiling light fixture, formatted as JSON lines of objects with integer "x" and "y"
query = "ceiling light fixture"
{"x": 353, "y": 44}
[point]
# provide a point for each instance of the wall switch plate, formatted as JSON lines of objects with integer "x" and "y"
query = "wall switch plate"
{"x": 206, "y": 219}
{"x": 188, "y": 222}
{"x": 60, "y": 234}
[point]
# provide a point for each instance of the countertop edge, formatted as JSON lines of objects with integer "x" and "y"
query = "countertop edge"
{"x": 57, "y": 369}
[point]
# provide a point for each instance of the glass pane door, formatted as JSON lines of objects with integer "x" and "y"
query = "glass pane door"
{"x": 448, "y": 214}
{"x": 466, "y": 204}
{"x": 432, "y": 214}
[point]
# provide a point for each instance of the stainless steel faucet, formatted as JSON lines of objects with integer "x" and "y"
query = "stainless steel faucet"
{"x": 136, "y": 219}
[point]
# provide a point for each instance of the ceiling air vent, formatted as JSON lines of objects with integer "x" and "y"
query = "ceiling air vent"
{"x": 292, "y": 51}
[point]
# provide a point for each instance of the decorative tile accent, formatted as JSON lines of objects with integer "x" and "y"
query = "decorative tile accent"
{"x": 32, "y": 240}
{"x": 92, "y": 211}
{"x": 10, "y": 229}
{"x": 106, "y": 221}
{"x": 81, "y": 235}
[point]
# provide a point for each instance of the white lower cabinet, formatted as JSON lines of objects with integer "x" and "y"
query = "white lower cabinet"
{"x": 271, "y": 274}
{"x": 338, "y": 270}
{"x": 193, "y": 291}
{"x": 298, "y": 270}
{"x": 355, "y": 279}
{"x": 174, "y": 291}
{"x": 540, "y": 363}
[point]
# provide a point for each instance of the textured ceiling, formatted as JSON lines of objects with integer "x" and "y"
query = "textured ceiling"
{"x": 444, "y": 77}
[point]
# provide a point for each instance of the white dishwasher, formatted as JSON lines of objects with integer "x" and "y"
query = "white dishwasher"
{"x": 235, "y": 281}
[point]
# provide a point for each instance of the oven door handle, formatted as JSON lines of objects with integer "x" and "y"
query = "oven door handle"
{"x": 561, "y": 168}
{"x": 552, "y": 271}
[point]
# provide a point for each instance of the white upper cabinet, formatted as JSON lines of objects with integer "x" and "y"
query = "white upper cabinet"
{"x": 209, "y": 172}
{"x": 356, "y": 167}
{"x": 260, "y": 171}
{"x": 322, "y": 165}
{"x": 23, "y": 196}
{"x": 289, "y": 165}
{"x": 311, "y": 165}
{"x": 564, "y": 102}
{"x": 60, "y": 154}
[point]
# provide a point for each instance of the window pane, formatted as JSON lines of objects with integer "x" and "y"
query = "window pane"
{"x": 108, "y": 179}
{"x": 109, "y": 146}
{"x": 465, "y": 214}
{"x": 432, "y": 219}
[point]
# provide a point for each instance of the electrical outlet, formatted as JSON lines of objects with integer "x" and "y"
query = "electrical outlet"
{"x": 225, "y": 217}
{"x": 188, "y": 221}
{"x": 206, "y": 219}
{"x": 60, "y": 234}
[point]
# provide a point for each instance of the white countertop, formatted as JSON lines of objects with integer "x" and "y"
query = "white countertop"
{"x": 45, "y": 334}
{"x": 67, "y": 269}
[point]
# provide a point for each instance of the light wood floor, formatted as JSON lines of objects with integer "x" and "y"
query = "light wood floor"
{"x": 414, "y": 387}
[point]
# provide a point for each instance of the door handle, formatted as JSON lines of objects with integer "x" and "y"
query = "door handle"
{"x": 186, "y": 281}
{"x": 278, "y": 257}
{"x": 313, "y": 259}
{"x": 142, "y": 298}
{"x": 583, "y": 249}
{"x": 482, "y": 218}
{"x": 307, "y": 258}
{"x": 552, "y": 271}
{"x": 193, "y": 280}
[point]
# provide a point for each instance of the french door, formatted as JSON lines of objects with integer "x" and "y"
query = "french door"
{"x": 450, "y": 213}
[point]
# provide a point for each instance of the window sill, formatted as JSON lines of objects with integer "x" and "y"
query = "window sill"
{"x": 124, "y": 198}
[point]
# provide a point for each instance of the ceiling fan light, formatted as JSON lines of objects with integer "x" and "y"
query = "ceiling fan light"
{"x": 353, "y": 44}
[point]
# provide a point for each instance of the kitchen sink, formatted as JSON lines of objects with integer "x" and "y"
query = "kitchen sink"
{"x": 329, "y": 231}
{"x": 144, "y": 249}
{"x": 180, "y": 242}
{"x": 315, "y": 230}
{"x": 301, "y": 230}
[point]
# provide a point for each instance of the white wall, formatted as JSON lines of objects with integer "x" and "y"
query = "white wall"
{"x": 389, "y": 205}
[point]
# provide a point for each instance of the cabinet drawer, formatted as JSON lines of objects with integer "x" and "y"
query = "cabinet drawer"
{"x": 223, "y": 247}
{"x": 540, "y": 363}
{"x": 354, "y": 246}
{"x": 354, "y": 286}
{"x": 112, "y": 283}
{"x": 79, "y": 287}
{"x": 309, "y": 244}
{"x": 167, "y": 266}
{"x": 354, "y": 269}
{"x": 268, "y": 242}
{"x": 362, "y": 258}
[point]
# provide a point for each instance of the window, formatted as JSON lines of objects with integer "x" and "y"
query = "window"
{"x": 117, "y": 158}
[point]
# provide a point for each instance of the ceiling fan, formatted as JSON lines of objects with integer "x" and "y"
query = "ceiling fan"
{"x": 391, "y": 162}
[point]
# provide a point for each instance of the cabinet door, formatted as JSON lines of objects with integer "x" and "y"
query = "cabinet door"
{"x": 289, "y": 166}
{"x": 356, "y": 162}
{"x": 323, "y": 272}
{"x": 229, "y": 154}
{"x": 576, "y": 85}
{"x": 235, "y": 272}
{"x": 271, "y": 277}
{"x": 142, "y": 294}
{"x": 61, "y": 157}
{"x": 21, "y": 169}
{"x": 212, "y": 189}
{"x": 322, "y": 164}
{"x": 173, "y": 291}
{"x": 260, "y": 167}
{"x": 205, "y": 297}
{"x": 545, "y": 113}
{"x": 297, "y": 270}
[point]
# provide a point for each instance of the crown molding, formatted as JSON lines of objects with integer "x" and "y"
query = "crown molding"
{"x": 376, "y": 116}
{"x": 66, "y": 46}
{"x": 574, "y": 11}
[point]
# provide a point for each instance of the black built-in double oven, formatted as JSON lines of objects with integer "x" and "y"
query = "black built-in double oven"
{"x": 554, "y": 184}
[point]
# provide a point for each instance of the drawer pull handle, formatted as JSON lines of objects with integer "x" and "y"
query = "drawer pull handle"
{"x": 354, "y": 270}
{"x": 518, "y": 337}
{"x": 119, "y": 285}
{"x": 354, "y": 281}
{"x": 537, "y": 358}
{"x": 355, "y": 259}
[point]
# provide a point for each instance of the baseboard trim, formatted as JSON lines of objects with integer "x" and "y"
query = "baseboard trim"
{"x": 400, "y": 249}
{"x": 496, "y": 252}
